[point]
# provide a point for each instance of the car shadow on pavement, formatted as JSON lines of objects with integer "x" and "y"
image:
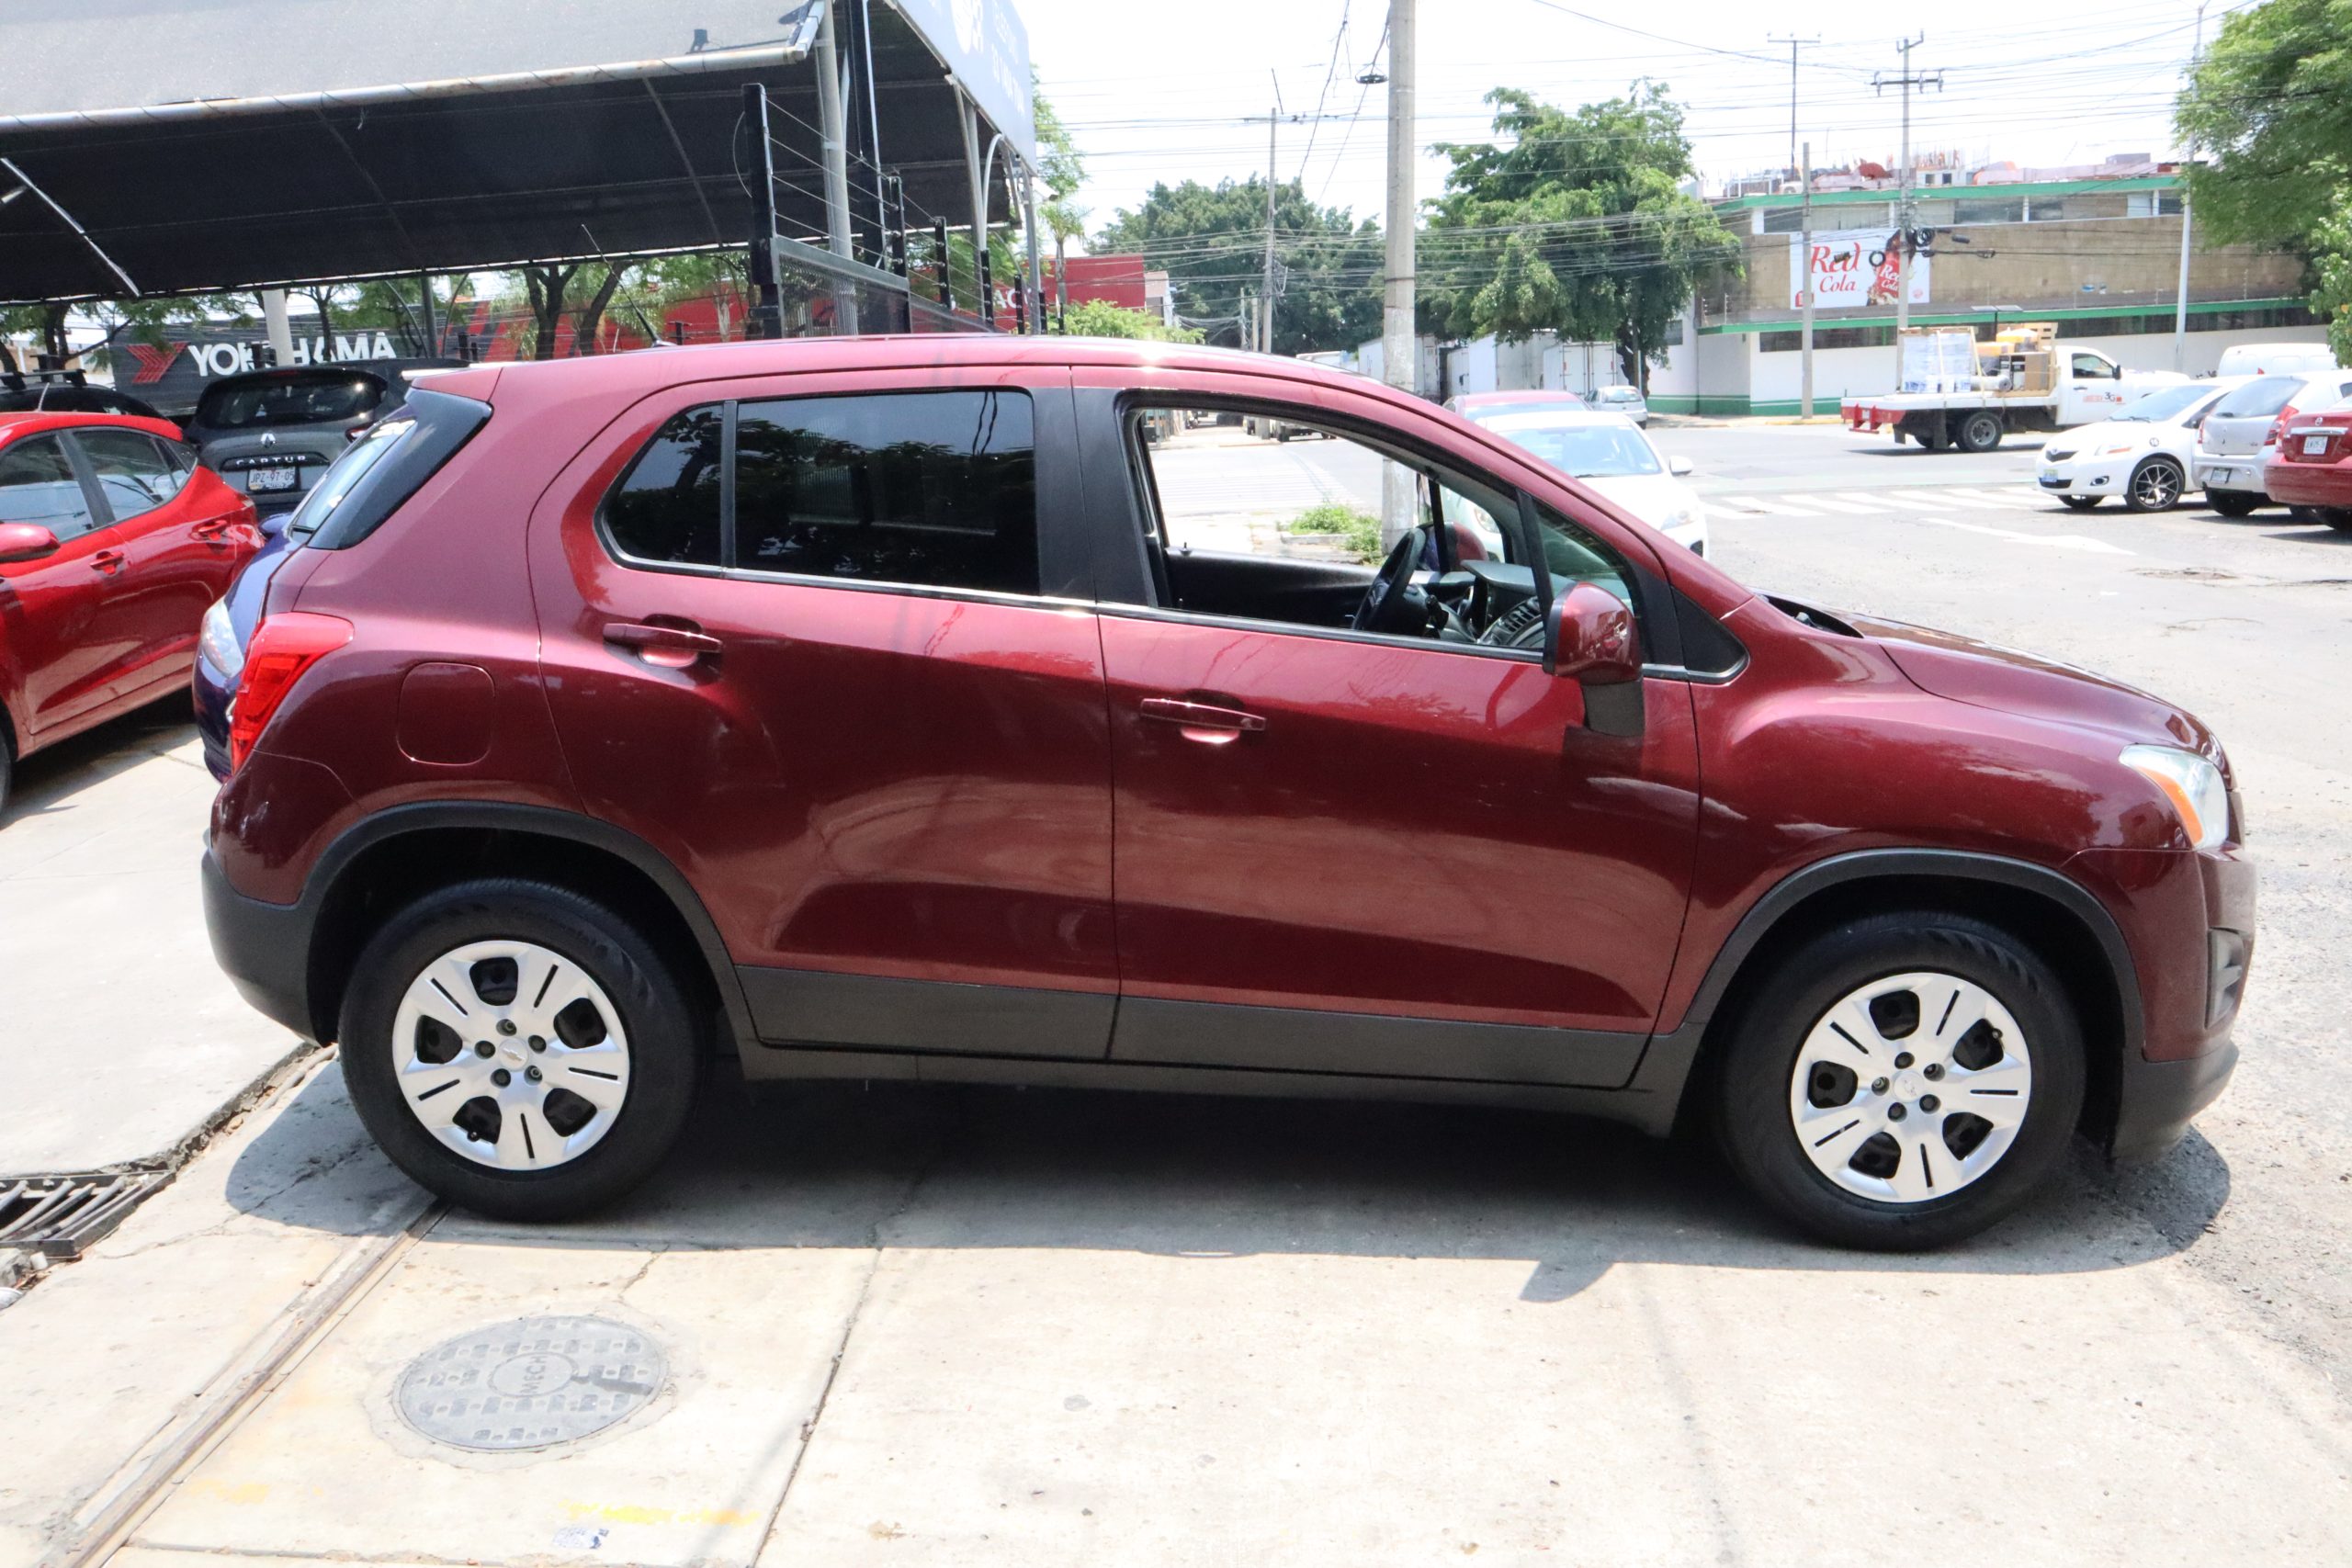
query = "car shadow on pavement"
{"x": 846, "y": 1165}
{"x": 47, "y": 781}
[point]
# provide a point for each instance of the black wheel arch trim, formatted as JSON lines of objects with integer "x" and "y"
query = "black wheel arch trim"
{"x": 1866, "y": 865}
{"x": 544, "y": 821}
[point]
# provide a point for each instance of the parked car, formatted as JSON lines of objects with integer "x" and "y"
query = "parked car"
{"x": 1627, "y": 401}
{"x": 65, "y": 391}
{"x": 814, "y": 701}
{"x": 112, "y": 542}
{"x": 2235, "y": 441}
{"x": 1608, "y": 452}
{"x": 2143, "y": 455}
{"x": 2311, "y": 465}
{"x": 272, "y": 433}
{"x": 2242, "y": 359}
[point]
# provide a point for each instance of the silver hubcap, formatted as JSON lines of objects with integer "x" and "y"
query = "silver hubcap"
{"x": 1911, "y": 1088}
{"x": 2156, "y": 486}
{"x": 511, "y": 1055}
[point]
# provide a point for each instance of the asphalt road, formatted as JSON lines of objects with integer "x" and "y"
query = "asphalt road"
{"x": 979, "y": 1326}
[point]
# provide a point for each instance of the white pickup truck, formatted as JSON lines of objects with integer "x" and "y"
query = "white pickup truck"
{"x": 1960, "y": 392}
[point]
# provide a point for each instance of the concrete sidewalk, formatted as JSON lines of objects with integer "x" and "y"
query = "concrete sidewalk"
{"x": 123, "y": 1040}
{"x": 979, "y": 1326}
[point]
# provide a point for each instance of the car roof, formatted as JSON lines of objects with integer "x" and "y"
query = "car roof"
{"x": 1531, "y": 395}
{"x": 1571, "y": 418}
{"x": 31, "y": 422}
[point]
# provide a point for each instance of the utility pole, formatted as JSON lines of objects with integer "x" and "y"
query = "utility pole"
{"x": 1804, "y": 288}
{"x": 1906, "y": 218}
{"x": 1273, "y": 124}
{"x": 1793, "y": 44}
{"x": 1399, "y": 489}
{"x": 2180, "y": 309}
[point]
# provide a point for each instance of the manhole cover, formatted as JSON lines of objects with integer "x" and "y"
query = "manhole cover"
{"x": 530, "y": 1383}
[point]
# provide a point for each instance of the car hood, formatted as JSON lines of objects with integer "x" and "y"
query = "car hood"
{"x": 1653, "y": 498}
{"x": 2008, "y": 680}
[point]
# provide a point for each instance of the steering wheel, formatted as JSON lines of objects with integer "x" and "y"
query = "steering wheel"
{"x": 1388, "y": 604}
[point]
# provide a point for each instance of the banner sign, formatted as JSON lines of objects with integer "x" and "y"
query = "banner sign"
{"x": 1852, "y": 267}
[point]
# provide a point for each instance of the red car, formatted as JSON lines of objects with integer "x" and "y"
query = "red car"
{"x": 890, "y": 709}
{"x": 2311, "y": 465}
{"x": 113, "y": 543}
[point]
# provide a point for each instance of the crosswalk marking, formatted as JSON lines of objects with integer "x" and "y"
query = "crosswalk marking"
{"x": 2059, "y": 541}
{"x": 1757, "y": 503}
{"x": 1970, "y": 498}
{"x": 1858, "y": 507}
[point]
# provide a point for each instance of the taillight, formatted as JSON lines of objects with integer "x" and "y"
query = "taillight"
{"x": 283, "y": 648}
{"x": 2278, "y": 426}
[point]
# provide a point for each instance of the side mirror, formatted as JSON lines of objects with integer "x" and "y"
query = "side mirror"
{"x": 1678, "y": 466}
{"x": 1589, "y": 640}
{"x": 25, "y": 541}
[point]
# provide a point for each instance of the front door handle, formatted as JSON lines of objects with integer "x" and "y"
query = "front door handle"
{"x": 108, "y": 562}
{"x": 1205, "y": 722}
{"x": 672, "y": 647}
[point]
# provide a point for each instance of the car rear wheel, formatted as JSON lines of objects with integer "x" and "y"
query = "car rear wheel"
{"x": 2231, "y": 502}
{"x": 2154, "y": 486}
{"x": 518, "y": 1049}
{"x": 1979, "y": 431}
{"x": 1902, "y": 1081}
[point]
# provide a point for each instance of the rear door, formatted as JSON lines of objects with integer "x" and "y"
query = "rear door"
{"x": 176, "y": 553}
{"x": 53, "y": 647}
{"x": 807, "y": 638}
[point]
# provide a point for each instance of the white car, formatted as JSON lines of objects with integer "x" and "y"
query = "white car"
{"x": 1627, "y": 401}
{"x": 1615, "y": 456}
{"x": 2144, "y": 454}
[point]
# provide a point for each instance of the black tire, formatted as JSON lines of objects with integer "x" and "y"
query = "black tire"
{"x": 664, "y": 1030}
{"x": 1751, "y": 1107}
{"x": 2231, "y": 502}
{"x": 2304, "y": 514}
{"x": 2154, "y": 486}
{"x": 1979, "y": 430}
{"x": 7, "y": 766}
{"x": 2082, "y": 502}
{"x": 2337, "y": 517}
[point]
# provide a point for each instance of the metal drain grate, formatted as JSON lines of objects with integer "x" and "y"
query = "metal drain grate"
{"x": 61, "y": 1215}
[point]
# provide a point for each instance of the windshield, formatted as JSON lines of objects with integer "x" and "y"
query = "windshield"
{"x": 2169, "y": 403}
{"x": 326, "y": 396}
{"x": 1618, "y": 395}
{"x": 1586, "y": 451}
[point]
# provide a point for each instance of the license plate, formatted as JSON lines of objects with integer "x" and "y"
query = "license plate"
{"x": 274, "y": 479}
{"x": 2315, "y": 444}
{"x": 2220, "y": 476}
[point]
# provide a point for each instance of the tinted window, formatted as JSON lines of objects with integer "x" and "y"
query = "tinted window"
{"x": 133, "y": 472}
{"x": 379, "y": 474}
{"x": 666, "y": 506}
{"x": 319, "y": 397}
{"x": 936, "y": 489}
{"x": 2267, "y": 396}
{"x": 37, "y": 485}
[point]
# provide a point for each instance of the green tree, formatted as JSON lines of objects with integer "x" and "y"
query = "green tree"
{"x": 2270, "y": 109}
{"x": 2331, "y": 269}
{"x": 1061, "y": 169}
{"x": 1576, "y": 223}
{"x": 1211, "y": 241}
{"x": 1100, "y": 318}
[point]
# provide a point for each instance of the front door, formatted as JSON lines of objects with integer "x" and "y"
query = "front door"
{"x": 803, "y": 645}
{"x": 52, "y": 610}
{"x": 1401, "y": 852}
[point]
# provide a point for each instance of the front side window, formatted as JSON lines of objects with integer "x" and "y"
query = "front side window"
{"x": 927, "y": 489}
{"x": 38, "y": 485}
{"x": 134, "y": 473}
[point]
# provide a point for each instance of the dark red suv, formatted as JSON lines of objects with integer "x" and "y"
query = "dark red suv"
{"x": 891, "y": 709}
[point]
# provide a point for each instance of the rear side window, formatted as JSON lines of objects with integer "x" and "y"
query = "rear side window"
{"x": 666, "y": 507}
{"x": 38, "y": 485}
{"x": 931, "y": 489}
{"x": 134, "y": 472}
{"x": 2267, "y": 396}
{"x": 378, "y": 472}
{"x": 323, "y": 397}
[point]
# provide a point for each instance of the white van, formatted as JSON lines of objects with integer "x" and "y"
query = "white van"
{"x": 2275, "y": 358}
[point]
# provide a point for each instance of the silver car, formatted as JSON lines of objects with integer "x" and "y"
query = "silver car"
{"x": 272, "y": 433}
{"x": 2235, "y": 438}
{"x": 1627, "y": 401}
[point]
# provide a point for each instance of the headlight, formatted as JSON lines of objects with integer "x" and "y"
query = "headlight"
{"x": 1681, "y": 518}
{"x": 2192, "y": 784}
{"x": 2116, "y": 450}
{"x": 217, "y": 641}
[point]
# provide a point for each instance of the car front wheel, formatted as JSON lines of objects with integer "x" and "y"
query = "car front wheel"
{"x": 1902, "y": 1081}
{"x": 518, "y": 1049}
{"x": 2154, "y": 486}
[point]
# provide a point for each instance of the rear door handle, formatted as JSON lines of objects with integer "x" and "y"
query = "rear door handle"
{"x": 108, "y": 562}
{"x": 211, "y": 531}
{"x": 1203, "y": 722}
{"x": 672, "y": 647}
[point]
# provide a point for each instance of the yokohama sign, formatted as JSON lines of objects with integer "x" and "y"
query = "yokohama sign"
{"x": 1852, "y": 267}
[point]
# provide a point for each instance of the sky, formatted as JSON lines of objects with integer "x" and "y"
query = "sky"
{"x": 1161, "y": 93}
